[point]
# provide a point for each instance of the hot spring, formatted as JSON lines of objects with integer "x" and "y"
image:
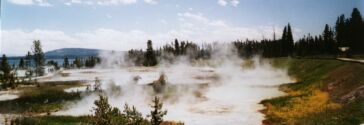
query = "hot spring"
{"x": 228, "y": 93}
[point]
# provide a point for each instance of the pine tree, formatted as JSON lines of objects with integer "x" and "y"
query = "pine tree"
{"x": 340, "y": 31}
{"x": 289, "y": 39}
{"x": 21, "y": 64}
{"x": 53, "y": 63}
{"x": 6, "y": 74}
{"x": 150, "y": 57}
{"x": 103, "y": 112}
{"x": 28, "y": 59}
{"x": 78, "y": 63}
{"x": 176, "y": 47}
{"x": 356, "y": 32}
{"x": 326, "y": 34}
{"x": 133, "y": 117}
{"x": 329, "y": 43}
{"x": 66, "y": 63}
{"x": 38, "y": 57}
{"x": 157, "y": 113}
{"x": 283, "y": 43}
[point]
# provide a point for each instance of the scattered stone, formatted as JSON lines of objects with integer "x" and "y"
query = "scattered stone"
{"x": 159, "y": 85}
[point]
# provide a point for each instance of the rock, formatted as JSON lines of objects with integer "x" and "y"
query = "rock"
{"x": 136, "y": 78}
{"x": 159, "y": 85}
{"x": 358, "y": 93}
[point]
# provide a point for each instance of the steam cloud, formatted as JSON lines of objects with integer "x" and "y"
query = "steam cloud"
{"x": 222, "y": 90}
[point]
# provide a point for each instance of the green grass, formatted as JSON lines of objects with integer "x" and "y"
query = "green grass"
{"x": 317, "y": 74}
{"x": 38, "y": 100}
{"x": 308, "y": 72}
{"x": 52, "y": 120}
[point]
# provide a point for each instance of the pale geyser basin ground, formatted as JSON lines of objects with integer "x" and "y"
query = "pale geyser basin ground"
{"x": 232, "y": 94}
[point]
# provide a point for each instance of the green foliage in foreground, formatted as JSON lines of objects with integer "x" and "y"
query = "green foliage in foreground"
{"x": 38, "y": 101}
{"x": 52, "y": 120}
{"x": 107, "y": 115}
{"x": 104, "y": 114}
{"x": 7, "y": 77}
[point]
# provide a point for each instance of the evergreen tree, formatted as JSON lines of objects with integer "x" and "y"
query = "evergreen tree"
{"x": 28, "y": 59}
{"x": 183, "y": 48}
{"x": 328, "y": 41}
{"x": 28, "y": 62}
{"x": 133, "y": 117}
{"x": 340, "y": 31}
{"x": 157, "y": 113}
{"x": 176, "y": 47}
{"x": 289, "y": 39}
{"x": 5, "y": 74}
{"x": 136, "y": 56}
{"x": 103, "y": 112}
{"x": 66, "y": 63}
{"x": 356, "y": 32}
{"x": 78, "y": 63}
{"x": 150, "y": 57}
{"x": 21, "y": 64}
{"x": 91, "y": 61}
{"x": 283, "y": 43}
{"x": 38, "y": 57}
{"x": 53, "y": 63}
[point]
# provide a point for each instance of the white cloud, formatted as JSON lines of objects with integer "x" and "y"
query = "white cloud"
{"x": 85, "y": 2}
{"x": 89, "y": 2}
{"x": 73, "y": 2}
{"x": 234, "y": 3}
{"x": 21, "y": 2}
{"x": 18, "y": 42}
{"x": 100, "y": 2}
{"x": 150, "y": 1}
{"x": 222, "y": 2}
{"x": 44, "y": 3}
{"x": 115, "y": 2}
{"x": 199, "y": 17}
{"x": 191, "y": 26}
{"x": 76, "y": 1}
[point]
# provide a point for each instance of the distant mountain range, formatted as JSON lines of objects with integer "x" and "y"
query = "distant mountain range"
{"x": 69, "y": 52}
{"x": 72, "y": 52}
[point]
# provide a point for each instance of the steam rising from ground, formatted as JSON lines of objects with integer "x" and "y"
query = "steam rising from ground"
{"x": 223, "y": 90}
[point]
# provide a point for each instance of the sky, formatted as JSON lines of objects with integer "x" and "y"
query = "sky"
{"x": 128, "y": 24}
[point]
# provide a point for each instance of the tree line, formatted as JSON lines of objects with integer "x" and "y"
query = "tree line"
{"x": 34, "y": 65}
{"x": 168, "y": 52}
{"x": 347, "y": 33}
{"x": 8, "y": 74}
{"x": 79, "y": 62}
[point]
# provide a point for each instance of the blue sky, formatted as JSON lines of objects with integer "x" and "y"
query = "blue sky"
{"x": 126, "y": 24}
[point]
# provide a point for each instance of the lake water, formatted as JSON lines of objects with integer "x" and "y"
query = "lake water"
{"x": 15, "y": 62}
